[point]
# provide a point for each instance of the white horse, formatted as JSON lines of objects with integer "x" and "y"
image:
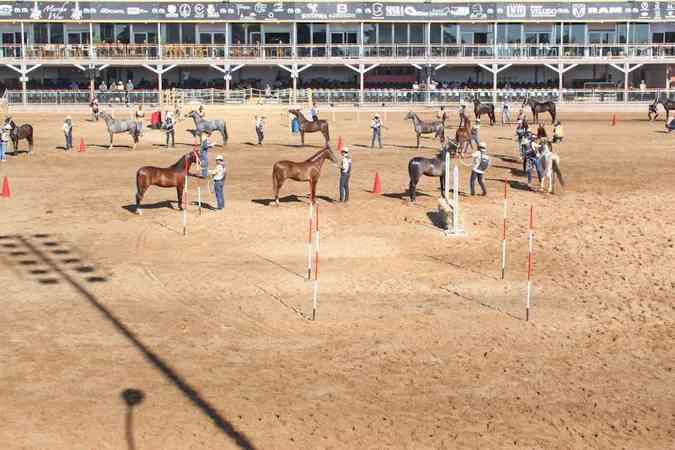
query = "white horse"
{"x": 550, "y": 164}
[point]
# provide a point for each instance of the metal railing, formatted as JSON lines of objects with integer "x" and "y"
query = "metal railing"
{"x": 341, "y": 96}
{"x": 350, "y": 51}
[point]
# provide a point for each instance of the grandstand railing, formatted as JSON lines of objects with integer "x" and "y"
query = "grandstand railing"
{"x": 177, "y": 52}
{"x": 337, "y": 97}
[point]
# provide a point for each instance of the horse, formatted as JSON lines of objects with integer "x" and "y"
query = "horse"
{"x": 667, "y": 105}
{"x": 421, "y": 127}
{"x": 551, "y": 163}
{"x": 537, "y": 107}
{"x": 307, "y": 170}
{"x": 484, "y": 108}
{"x": 463, "y": 135}
{"x": 541, "y": 131}
{"x": 16, "y": 133}
{"x": 172, "y": 176}
{"x": 308, "y": 126}
{"x": 208, "y": 126}
{"x": 431, "y": 167}
{"x": 116, "y": 126}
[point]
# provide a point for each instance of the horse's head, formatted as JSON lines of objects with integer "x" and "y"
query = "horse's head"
{"x": 192, "y": 158}
{"x": 410, "y": 116}
{"x": 331, "y": 154}
{"x": 295, "y": 112}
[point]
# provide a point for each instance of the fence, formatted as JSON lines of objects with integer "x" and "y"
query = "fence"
{"x": 339, "y": 97}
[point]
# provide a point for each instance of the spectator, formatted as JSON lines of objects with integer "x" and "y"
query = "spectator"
{"x": 481, "y": 163}
{"x": 68, "y": 132}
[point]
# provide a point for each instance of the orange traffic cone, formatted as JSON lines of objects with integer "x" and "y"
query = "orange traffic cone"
{"x": 83, "y": 146}
{"x": 377, "y": 186}
{"x": 614, "y": 119}
{"x": 339, "y": 144}
{"x": 5, "y": 188}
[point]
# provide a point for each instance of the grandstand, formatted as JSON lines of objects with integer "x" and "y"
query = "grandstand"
{"x": 351, "y": 46}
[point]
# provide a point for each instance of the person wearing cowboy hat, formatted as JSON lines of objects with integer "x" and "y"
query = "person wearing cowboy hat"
{"x": 218, "y": 175}
{"x": 4, "y": 139}
{"x": 481, "y": 163}
{"x": 169, "y": 129}
{"x": 345, "y": 173}
{"x": 68, "y": 132}
{"x": 376, "y": 126}
{"x": 260, "y": 128}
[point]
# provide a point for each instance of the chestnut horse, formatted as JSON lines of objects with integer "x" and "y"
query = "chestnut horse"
{"x": 463, "y": 135}
{"x": 173, "y": 176}
{"x": 308, "y": 126}
{"x": 308, "y": 170}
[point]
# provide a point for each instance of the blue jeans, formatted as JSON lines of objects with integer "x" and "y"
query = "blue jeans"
{"x": 377, "y": 135}
{"x": 344, "y": 186}
{"x": 3, "y": 150}
{"x": 536, "y": 162}
{"x": 220, "y": 198}
{"x": 204, "y": 156}
{"x": 69, "y": 140}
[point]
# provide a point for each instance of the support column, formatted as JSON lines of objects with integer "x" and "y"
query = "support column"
{"x": 560, "y": 79}
{"x": 159, "y": 41}
{"x": 428, "y": 83}
{"x": 159, "y": 85}
{"x": 23, "y": 42}
{"x": 362, "y": 82}
{"x": 494, "y": 83}
{"x": 626, "y": 73}
{"x": 24, "y": 80}
{"x": 91, "y": 41}
{"x": 294, "y": 76}
{"x": 228, "y": 79}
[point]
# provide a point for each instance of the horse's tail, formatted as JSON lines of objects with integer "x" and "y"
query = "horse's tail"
{"x": 414, "y": 177}
{"x": 327, "y": 132}
{"x": 224, "y": 131}
{"x": 558, "y": 173}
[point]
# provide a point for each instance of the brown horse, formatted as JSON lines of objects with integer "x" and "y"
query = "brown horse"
{"x": 308, "y": 170}
{"x": 17, "y": 133}
{"x": 463, "y": 135}
{"x": 541, "y": 131}
{"x": 173, "y": 176}
{"x": 307, "y": 126}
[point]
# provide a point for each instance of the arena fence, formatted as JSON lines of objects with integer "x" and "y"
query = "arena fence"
{"x": 336, "y": 97}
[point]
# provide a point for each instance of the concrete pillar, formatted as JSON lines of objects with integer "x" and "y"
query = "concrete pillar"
{"x": 626, "y": 74}
{"x": 159, "y": 85}
{"x": 494, "y": 84}
{"x": 362, "y": 82}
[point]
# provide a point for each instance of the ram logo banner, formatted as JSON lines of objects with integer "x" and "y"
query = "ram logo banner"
{"x": 516, "y": 11}
{"x": 578, "y": 10}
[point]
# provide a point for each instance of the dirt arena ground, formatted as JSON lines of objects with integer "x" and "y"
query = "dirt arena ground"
{"x": 419, "y": 344}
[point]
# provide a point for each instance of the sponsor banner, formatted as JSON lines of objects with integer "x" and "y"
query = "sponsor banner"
{"x": 336, "y": 11}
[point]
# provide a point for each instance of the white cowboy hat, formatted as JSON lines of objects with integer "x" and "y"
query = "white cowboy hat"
{"x": 68, "y": 117}
{"x": 377, "y": 116}
{"x": 345, "y": 150}
{"x": 220, "y": 158}
{"x": 482, "y": 146}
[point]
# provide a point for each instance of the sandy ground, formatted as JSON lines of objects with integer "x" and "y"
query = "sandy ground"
{"x": 419, "y": 343}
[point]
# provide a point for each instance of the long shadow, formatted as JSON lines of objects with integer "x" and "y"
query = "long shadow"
{"x": 167, "y": 371}
{"x": 290, "y": 199}
{"x": 513, "y": 184}
{"x": 300, "y": 146}
{"x": 437, "y": 220}
{"x": 484, "y": 305}
{"x": 402, "y": 195}
{"x": 163, "y": 204}
{"x": 414, "y": 147}
{"x": 105, "y": 147}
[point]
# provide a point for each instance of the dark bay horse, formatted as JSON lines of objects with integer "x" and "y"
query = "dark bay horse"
{"x": 172, "y": 176}
{"x": 431, "y": 167}
{"x": 308, "y": 170}
{"x": 308, "y": 126}
{"x": 541, "y": 131}
{"x": 667, "y": 105}
{"x": 437, "y": 127}
{"x": 16, "y": 133}
{"x": 538, "y": 107}
{"x": 484, "y": 108}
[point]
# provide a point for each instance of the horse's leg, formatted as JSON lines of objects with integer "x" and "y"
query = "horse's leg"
{"x": 312, "y": 188}
{"x": 276, "y": 184}
{"x": 442, "y": 179}
{"x": 179, "y": 190}
{"x": 111, "y": 141}
{"x": 418, "y": 140}
{"x": 302, "y": 137}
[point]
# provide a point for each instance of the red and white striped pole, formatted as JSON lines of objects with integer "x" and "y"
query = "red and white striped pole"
{"x": 530, "y": 263}
{"x": 506, "y": 184}
{"x": 316, "y": 267}
{"x": 309, "y": 242}
{"x": 185, "y": 198}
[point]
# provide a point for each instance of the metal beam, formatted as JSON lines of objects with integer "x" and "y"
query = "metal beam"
{"x": 370, "y": 68}
{"x": 14, "y": 68}
{"x": 636, "y": 66}
{"x": 568, "y": 68}
{"x": 283, "y": 67}
{"x": 416, "y": 66}
{"x": 151, "y": 69}
{"x": 237, "y": 67}
{"x": 504, "y": 67}
{"x": 355, "y": 69}
{"x": 619, "y": 68}
{"x": 218, "y": 68}
{"x": 104, "y": 66}
{"x": 553, "y": 68}
{"x": 82, "y": 68}
{"x": 31, "y": 69}
{"x": 488, "y": 68}
{"x": 163, "y": 71}
{"x": 306, "y": 66}
{"x": 440, "y": 66}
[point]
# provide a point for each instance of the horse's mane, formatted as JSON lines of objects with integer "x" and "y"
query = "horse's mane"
{"x": 316, "y": 155}
{"x": 180, "y": 164}
{"x": 298, "y": 113}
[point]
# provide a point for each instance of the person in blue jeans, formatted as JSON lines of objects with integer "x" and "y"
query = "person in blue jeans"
{"x": 204, "y": 156}
{"x": 68, "y": 132}
{"x": 533, "y": 160}
{"x": 4, "y": 139}
{"x": 219, "y": 181}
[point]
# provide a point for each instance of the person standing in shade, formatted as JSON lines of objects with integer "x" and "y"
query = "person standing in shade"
{"x": 475, "y": 130}
{"x": 260, "y": 128}
{"x": 68, "y": 132}
{"x": 219, "y": 182}
{"x": 4, "y": 139}
{"x": 376, "y": 126}
{"x": 506, "y": 114}
{"x": 204, "y": 155}
{"x": 169, "y": 129}
{"x": 481, "y": 163}
{"x": 345, "y": 173}
{"x": 558, "y": 133}
{"x": 95, "y": 109}
{"x": 533, "y": 160}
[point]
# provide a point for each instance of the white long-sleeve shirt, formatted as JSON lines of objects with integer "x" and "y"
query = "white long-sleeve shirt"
{"x": 346, "y": 165}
